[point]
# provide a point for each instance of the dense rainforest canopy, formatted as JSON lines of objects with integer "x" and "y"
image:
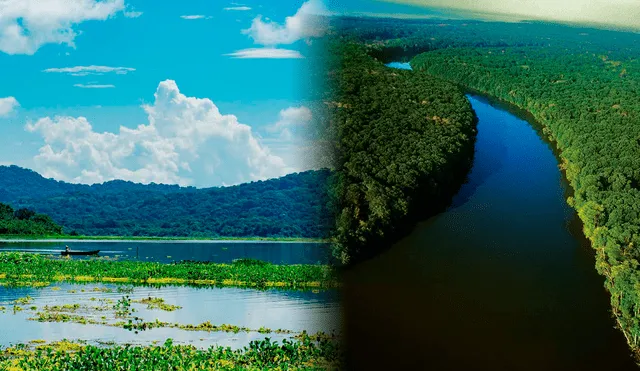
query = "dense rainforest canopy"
{"x": 404, "y": 145}
{"x": 583, "y": 86}
{"x": 291, "y": 206}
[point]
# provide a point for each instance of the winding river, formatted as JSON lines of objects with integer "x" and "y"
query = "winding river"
{"x": 503, "y": 280}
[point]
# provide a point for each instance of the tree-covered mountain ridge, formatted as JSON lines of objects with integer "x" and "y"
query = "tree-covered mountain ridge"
{"x": 17, "y": 182}
{"x": 295, "y": 205}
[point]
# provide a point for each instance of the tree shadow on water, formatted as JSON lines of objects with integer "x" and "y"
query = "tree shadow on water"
{"x": 487, "y": 161}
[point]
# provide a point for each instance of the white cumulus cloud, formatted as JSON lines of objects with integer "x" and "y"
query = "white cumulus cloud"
{"x": 186, "y": 141}
{"x": 295, "y": 138}
{"x": 292, "y": 121}
{"x": 26, "y": 25}
{"x": 8, "y": 105}
{"x": 274, "y": 53}
{"x": 307, "y": 23}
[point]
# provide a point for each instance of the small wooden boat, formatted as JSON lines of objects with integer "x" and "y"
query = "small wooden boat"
{"x": 92, "y": 252}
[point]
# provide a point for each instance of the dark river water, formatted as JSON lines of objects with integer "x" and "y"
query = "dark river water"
{"x": 503, "y": 280}
{"x": 170, "y": 251}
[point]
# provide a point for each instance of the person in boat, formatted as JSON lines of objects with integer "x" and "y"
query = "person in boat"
{"x": 67, "y": 249}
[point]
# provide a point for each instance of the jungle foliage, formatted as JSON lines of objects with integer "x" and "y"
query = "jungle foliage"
{"x": 583, "y": 86}
{"x": 404, "y": 142}
{"x": 589, "y": 104}
{"x": 291, "y": 206}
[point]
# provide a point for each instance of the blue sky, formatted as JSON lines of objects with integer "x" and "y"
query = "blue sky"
{"x": 195, "y": 92}
{"x": 136, "y": 45}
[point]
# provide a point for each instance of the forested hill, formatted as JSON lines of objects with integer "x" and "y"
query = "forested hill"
{"x": 17, "y": 183}
{"x": 291, "y": 206}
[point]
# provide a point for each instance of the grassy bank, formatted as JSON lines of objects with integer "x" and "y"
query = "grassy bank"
{"x": 306, "y": 353}
{"x": 145, "y": 238}
{"x": 35, "y": 270}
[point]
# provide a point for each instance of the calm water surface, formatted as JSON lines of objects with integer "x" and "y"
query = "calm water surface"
{"x": 503, "y": 280}
{"x": 170, "y": 251}
{"x": 291, "y": 310}
{"x": 275, "y": 309}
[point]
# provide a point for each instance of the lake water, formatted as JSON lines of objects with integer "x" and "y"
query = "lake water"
{"x": 291, "y": 310}
{"x": 312, "y": 311}
{"x": 170, "y": 251}
{"x": 503, "y": 280}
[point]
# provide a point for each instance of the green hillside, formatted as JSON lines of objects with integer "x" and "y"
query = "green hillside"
{"x": 291, "y": 206}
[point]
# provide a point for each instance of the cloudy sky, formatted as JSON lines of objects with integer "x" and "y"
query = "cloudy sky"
{"x": 198, "y": 92}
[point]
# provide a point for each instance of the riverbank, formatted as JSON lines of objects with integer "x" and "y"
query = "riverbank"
{"x": 502, "y": 294}
{"x": 22, "y": 269}
{"x": 594, "y": 201}
{"x": 14, "y": 238}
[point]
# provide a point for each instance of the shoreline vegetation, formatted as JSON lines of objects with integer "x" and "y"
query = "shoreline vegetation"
{"x": 306, "y": 352}
{"x": 32, "y": 270}
{"x": 24, "y": 221}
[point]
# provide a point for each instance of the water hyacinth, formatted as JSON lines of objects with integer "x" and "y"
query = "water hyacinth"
{"x": 22, "y": 269}
{"x": 302, "y": 354}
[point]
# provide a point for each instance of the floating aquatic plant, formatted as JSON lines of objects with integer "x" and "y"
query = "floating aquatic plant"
{"x": 258, "y": 355}
{"x": 22, "y": 269}
{"x": 157, "y": 303}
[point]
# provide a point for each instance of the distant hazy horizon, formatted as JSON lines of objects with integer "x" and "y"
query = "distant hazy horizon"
{"x": 617, "y": 13}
